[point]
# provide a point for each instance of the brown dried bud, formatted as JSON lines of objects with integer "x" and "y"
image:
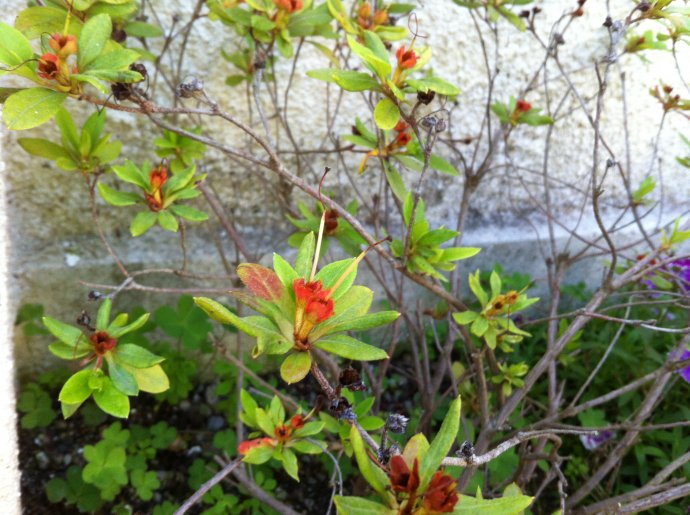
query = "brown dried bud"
{"x": 426, "y": 98}
{"x": 350, "y": 379}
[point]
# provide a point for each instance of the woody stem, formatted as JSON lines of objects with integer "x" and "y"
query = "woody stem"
{"x": 323, "y": 382}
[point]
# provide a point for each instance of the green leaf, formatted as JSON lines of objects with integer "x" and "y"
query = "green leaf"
{"x": 386, "y": 114}
{"x": 306, "y": 447}
{"x": 117, "y": 198}
{"x": 396, "y": 183}
{"x": 376, "y": 477}
{"x": 476, "y": 287}
{"x": 130, "y": 173}
{"x": 443, "y": 166}
{"x": 290, "y": 463}
{"x": 295, "y": 367}
{"x": 43, "y": 148}
{"x": 64, "y": 351}
{"x": 135, "y": 356}
{"x": 309, "y": 429}
{"x": 348, "y": 505}
{"x": 65, "y": 333}
{"x": 355, "y": 81}
{"x": 15, "y": 50}
{"x": 265, "y": 422}
{"x": 221, "y": 314}
{"x": 440, "y": 86}
{"x": 284, "y": 270}
{"x": 116, "y": 60}
{"x": 305, "y": 256}
{"x": 479, "y": 326}
{"x": 35, "y": 21}
{"x": 151, "y": 379}
{"x": 31, "y": 107}
{"x": 465, "y": 317}
{"x": 111, "y": 400}
{"x": 364, "y": 322}
{"x": 142, "y": 222}
{"x": 457, "y": 253}
{"x": 68, "y": 129}
{"x": 380, "y": 67}
{"x": 350, "y": 348}
{"x": 441, "y": 444}
{"x": 122, "y": 379}
{"x": 511, "y": 505}
{"x": 167, "y": 221}
{"x": 94, "y": 35}
{"x": 331, "y": 274}
{"x": 140, "y": 29}
{"x": 258, "y": 455}
{"x": 189, "y": 213}
{"x": 76, "y": 390}
{"x": 103, "y": 316}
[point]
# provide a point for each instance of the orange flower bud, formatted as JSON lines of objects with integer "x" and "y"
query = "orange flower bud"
{"x": 289, "y": 6}
{"x": 381, "y": 17}
{"x": 406, "y": 59}
{"x": 64, "y": 45}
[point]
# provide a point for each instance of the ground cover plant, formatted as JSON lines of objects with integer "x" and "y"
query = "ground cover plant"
{"x": 354, "y": 368}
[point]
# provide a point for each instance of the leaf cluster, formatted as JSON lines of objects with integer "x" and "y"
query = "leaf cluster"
{"x": 425, "y": 255}
{"x": 86, "y": 150}
{"x": 182, "y": 186}
{"x": 130, "y": 368}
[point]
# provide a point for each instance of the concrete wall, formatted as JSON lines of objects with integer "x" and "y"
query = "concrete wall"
{"x": 52, "y": 244}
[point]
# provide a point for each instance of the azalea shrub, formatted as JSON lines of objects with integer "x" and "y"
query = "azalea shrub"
{"x": 371, "y": 352}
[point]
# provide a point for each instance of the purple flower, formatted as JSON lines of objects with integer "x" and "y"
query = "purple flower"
{"x": 594, "y": 440}
{"x": 684, "y": 372}
{"x": 680, "y": 268}
{"x": 677, "y": 271}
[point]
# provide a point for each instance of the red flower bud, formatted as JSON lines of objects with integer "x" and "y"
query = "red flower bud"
{"x": 406, "y": 59}
{"x": 304, "y": 292}
{"x": 48, "y": 66}
{"x": 102, "y": 342}
{"x": 403, "y": 139}
{"x": 319, "y": 309}
{"x": 158, "y": 177}
{"x": 523, "y": 106}
{"x": 282, "y": 433}
{"x": 402, "y": 478}
{"x": 440, "y": 496}
{"x": 297, "y": 422}
{"x": 401, "y": 126}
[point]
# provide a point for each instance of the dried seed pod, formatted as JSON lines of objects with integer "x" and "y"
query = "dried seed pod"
{"x": 350, "y": 379}
{"x": 397, "y": 423}
{"x": 190, "y": 89}
{"x": 426, "y": 98}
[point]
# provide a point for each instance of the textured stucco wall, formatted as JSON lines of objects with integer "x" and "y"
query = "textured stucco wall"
{"x": 51, "y": 238}
{"x": 53, "y": 242}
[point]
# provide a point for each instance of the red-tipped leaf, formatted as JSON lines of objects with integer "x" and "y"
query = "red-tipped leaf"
{"x": 261, "y": 281}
